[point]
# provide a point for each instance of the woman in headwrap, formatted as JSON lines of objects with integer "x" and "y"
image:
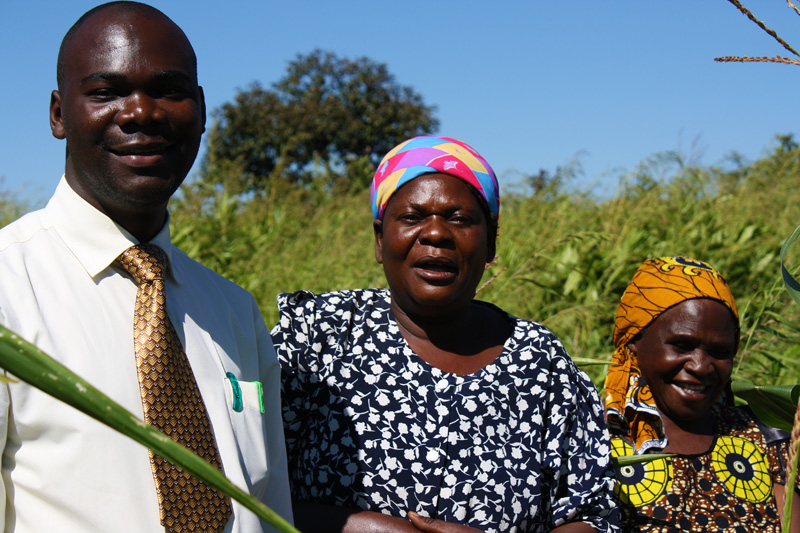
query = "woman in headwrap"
{"x": 421, "y": 399}
{"x": 668, "y": 390}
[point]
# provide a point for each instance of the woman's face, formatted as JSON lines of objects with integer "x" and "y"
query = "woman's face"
{"x": 434, "y": 243}
{"x": 686, "y": 356}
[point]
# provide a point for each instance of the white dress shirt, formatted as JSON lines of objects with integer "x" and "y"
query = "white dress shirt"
{"x": 61, "y": 289}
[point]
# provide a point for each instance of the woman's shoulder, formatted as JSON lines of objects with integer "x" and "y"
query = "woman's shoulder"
{"x": 532, "y": 348}
{"x": 529, "y": 335}
{"x": 526, "y": 329}
{"x": 304, "y": 301}
{"x": 307, "y": 320}
{"x": 736, "y": 420}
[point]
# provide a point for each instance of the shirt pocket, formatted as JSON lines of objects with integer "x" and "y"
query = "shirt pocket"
{"x": 246, "y": 408}
{"x": 244, "y": 395}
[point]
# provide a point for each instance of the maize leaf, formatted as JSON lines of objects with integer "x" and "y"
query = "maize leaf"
{"x": 774, "y": 405}
{"x": 28, "y": 363}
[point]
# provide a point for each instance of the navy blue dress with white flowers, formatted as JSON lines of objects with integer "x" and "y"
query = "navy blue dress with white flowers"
{"x": 519, "y": 446}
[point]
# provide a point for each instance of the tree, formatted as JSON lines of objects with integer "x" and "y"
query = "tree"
{"x": 327, "y": 113}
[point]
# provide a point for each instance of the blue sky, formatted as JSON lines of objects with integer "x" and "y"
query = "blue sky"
{"x": 530, "y": 84}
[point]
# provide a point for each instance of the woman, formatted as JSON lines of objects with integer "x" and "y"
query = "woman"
{"x": 420, "y": 399}
{"x": 668, "y": 390}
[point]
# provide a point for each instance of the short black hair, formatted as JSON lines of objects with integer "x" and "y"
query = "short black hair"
{"x": 122, "y": 6}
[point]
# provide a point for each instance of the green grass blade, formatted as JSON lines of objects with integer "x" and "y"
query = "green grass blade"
{"x": 625, "y": 460}
{"x": 588, "y": 361}
{"x": 28, "y": 363}
{"x": 793, "y": 287}
{"x": 775, "y": 405}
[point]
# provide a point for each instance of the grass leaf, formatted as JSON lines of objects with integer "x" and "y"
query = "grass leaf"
{"x": 625, "y": 460}
{"x": 35, "y": 367}
{"x": 775, "y": 405}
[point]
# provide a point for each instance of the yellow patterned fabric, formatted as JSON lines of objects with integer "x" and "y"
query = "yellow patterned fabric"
{"x": 727, "y": 488}
{"x": 171, "y": 401}
{"x": 641, "y": 483}
{"x": 743, "y": 468}
{"x": 658, "y": 285}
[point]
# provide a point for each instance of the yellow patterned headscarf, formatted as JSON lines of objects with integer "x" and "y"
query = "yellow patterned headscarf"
{"x": 658, "y": 285}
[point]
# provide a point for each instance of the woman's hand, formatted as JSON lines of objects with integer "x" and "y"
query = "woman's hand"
{"x": 574, "y": 527}
{"x": 431, "y": 525}
{"x": 321, "y": 518}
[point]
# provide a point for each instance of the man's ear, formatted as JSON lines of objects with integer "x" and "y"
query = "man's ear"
{"x": 377, "y": 227}
{"x": 203, "y": 107}
{"x": 56, "y": 120}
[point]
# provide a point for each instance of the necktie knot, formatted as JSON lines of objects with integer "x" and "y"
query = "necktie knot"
{"x": 145, "y": 262}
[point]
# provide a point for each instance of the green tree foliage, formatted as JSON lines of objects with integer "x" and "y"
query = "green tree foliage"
{"x": 11, "y": 205}
{"x": 328, "y": 117}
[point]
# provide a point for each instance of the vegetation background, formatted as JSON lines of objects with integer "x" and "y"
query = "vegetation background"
{"x": 565, "y": 257}
{"x": 282, "y": 204}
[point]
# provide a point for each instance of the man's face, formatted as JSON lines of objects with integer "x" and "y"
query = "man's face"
{"x": 131, "y": 111}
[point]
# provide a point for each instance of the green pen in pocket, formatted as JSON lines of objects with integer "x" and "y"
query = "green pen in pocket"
{"x": 246, "y": 391}
{"x": 238, "y": 405}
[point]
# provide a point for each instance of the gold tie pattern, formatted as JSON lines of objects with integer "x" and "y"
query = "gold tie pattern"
{"x": 171, "y": 401}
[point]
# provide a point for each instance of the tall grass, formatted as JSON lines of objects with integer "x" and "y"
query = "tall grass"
{"x": 564, "y": 257}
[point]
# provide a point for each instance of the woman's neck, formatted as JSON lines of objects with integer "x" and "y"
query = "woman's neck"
{"x": 689, "y": 437}
{"x": 460, "y": 344}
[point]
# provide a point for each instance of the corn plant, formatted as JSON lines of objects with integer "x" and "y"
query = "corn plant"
{"x": 28, "y": 363}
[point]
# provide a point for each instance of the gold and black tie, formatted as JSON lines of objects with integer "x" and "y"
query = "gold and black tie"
{"x": 171, "y": 401}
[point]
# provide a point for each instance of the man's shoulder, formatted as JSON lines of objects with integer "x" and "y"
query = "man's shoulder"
{"x": 189, "y": 271}
{"x": 23, "y": 230}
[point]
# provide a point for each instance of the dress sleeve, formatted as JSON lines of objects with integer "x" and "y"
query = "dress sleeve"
{"x": 578, "y": 450}
{"x": 277, "y": 494}
{"x": 778, "y": 458}
{"x": 292, "y": 338}
{"x": 775, "y": 444}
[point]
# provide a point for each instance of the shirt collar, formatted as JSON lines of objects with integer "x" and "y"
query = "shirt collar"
{"x": 94, "y": 239}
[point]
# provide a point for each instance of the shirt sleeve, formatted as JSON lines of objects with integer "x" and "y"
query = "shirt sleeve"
{"x": 578, "y": 450}
{"x": 778, "y": 457}
{"x": 5, "y": 413}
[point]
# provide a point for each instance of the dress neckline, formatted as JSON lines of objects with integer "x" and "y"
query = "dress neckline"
{"x": 493, "y": 367}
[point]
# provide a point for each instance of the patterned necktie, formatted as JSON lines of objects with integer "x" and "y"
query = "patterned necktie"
{"x": 171, "y": 400}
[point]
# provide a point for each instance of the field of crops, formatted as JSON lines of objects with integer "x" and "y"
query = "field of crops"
{"x": 564, "y": 257}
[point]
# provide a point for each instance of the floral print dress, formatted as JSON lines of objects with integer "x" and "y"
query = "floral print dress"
{"x": 519, "y": 446}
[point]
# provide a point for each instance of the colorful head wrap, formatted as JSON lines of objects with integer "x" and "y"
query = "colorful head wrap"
{"x": 658, "y": 285}
{"x": 427, "y": 155}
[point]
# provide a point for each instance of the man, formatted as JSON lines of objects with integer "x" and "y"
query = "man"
{"x": 132, "y": 113}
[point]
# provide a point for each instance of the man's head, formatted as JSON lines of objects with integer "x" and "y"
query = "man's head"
{"x": 129, "y": 105}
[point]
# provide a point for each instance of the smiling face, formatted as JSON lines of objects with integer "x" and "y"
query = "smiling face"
{"x": 131, "y": 111}
{"x": 434, "y": 242}
{"x": 686, "y": 357}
